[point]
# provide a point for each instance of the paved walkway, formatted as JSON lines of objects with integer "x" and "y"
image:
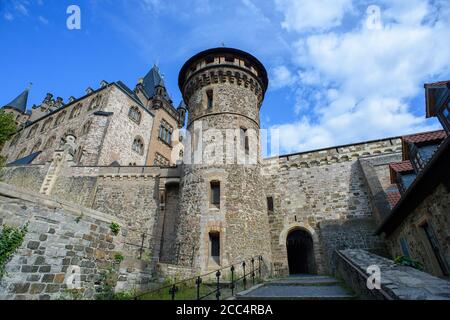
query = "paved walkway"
{"x": 301, "y": 287}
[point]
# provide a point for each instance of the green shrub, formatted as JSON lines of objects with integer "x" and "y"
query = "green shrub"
{"x": 118, "y": 257}
{"x": 115, "y": 228}
{"x": 11, "y": 239}
{"x": 405, "y": 261}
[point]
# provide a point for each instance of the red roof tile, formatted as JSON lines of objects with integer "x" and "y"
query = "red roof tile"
{"x": 426, "y": 136}
{"x": 436, "y": 84}
{"x": 393, "y": 197}
{"x": 396, "y": 167}
{"x": 401, "y": 166}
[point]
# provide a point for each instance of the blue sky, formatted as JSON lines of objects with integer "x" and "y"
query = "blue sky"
{"x": 338, "y": 74}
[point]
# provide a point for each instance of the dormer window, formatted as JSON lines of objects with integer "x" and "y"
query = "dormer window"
{"x": 421, "y": 154}
{"x": 405, "y": 179}
{"x": 444, "y": 116}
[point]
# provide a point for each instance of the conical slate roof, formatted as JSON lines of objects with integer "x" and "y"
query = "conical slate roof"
{"x": 152, "y": 80}
{"x": 19, "y": 103}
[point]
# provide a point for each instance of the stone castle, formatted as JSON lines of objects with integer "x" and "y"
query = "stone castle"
{"x": 194, "y": 202}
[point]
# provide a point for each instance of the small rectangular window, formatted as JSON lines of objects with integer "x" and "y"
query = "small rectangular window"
{"x": 214, "y": 242}
{"x": 215, "y": 193}
{"x": 404, "y": 247}
{"x": 209, "y": 96}
{"x": 270, "y": 204}
{"x": 209, "y": 60}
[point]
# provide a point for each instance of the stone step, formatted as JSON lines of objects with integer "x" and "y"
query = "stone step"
{"x": 271, "y": 292}
{"x": 303, "y": 287}
{"x": 309, "y": 281}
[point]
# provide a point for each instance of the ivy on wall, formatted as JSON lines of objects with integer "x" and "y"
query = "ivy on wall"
{"x": 11, "y": 239}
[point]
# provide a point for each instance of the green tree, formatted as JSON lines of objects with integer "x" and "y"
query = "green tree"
{"x": 7, "y": 129}
{"x": 7, "y": 126}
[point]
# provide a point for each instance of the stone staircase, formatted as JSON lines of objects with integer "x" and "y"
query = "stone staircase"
{"x": 52, "y": 174}
{"x": 299, "y": 287}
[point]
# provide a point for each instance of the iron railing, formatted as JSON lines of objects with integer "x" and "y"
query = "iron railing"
{"x": 218, "y": 284}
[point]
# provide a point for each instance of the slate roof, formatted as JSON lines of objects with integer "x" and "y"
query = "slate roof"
{"x": 20, "y": 102}
{"x": 25, "y": 160}
{"x": 130, "y": 92}
{"x": 152, "y": 80}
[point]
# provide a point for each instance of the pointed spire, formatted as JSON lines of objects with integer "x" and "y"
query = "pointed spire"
{"x": 152, "y": 80}
{"x": 20, "y": 102}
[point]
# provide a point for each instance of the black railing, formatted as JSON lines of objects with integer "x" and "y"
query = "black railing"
{"x": 211, "y": 285}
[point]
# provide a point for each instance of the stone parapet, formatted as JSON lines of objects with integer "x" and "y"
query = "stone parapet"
{"x": 397, "y": 282}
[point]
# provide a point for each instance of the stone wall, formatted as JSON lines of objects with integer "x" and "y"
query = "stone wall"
{"x": 28, "y": 177}
{"x": 396, "y": 282}
{"x": 121, "y": 132}
{"x": 434, "y": 210}
{"x": 169, "y": 248}
{"x": 135, "y": 201}
{"x": 324, "y": 192}
{"x": 61, "y": 237}
{"x": 48, "y": 132}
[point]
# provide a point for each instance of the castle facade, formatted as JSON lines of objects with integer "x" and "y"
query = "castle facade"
{"x": 193, "y": 203}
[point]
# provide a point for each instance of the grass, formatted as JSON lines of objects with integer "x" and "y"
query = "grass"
{"x": 190, "y": 292}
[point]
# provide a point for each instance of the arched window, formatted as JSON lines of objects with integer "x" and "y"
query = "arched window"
{"x": 138, "y": 146}
{"x": 86, "y": 127}
{"x": 15, "y": 140}
{"x": 60, "y": 118}
{"x": 95, "y": 102}
{"x": 134, "y": 114}
{"x": 50, "y": 142}
{"x": 36, "y": 146}
{"x": 32, "y": 131}
{"x": 75, "y": 111}
{"x": 22, "y": 153}
{"x": 46, "y": 124}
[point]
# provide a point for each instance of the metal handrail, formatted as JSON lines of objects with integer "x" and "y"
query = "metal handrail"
{"x": 174, "y": 287}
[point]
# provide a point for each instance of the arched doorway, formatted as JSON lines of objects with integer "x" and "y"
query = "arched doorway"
{"x": 300, "y": 252}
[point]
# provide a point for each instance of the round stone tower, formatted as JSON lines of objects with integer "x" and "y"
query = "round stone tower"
{"x": 223, "y": 211}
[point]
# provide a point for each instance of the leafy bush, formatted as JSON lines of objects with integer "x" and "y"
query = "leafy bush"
{"x": 118, "y": 257}
{"x": 115, "y": 228}
{"x": 11, "y": 239}
{"x": 405, "y": 261}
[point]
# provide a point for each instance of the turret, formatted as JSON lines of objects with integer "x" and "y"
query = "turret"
{"x": 223, "y": 89}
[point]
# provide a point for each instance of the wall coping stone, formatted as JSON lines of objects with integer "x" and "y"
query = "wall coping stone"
{"x": 400, "y": 282}
{"x": 11, "y": 191}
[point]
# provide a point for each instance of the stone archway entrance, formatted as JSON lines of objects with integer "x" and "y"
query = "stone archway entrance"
{"x": 300, "y": 251}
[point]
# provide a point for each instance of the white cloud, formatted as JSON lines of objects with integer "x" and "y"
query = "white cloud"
{"x": 21, "y": 8}
{"x": 358, "y": 85}
{"x": 42, "y": 20}
{"x": 8, "y": 16}
{"x": 281, "y": 77}
{"x": 300, "y": 15}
